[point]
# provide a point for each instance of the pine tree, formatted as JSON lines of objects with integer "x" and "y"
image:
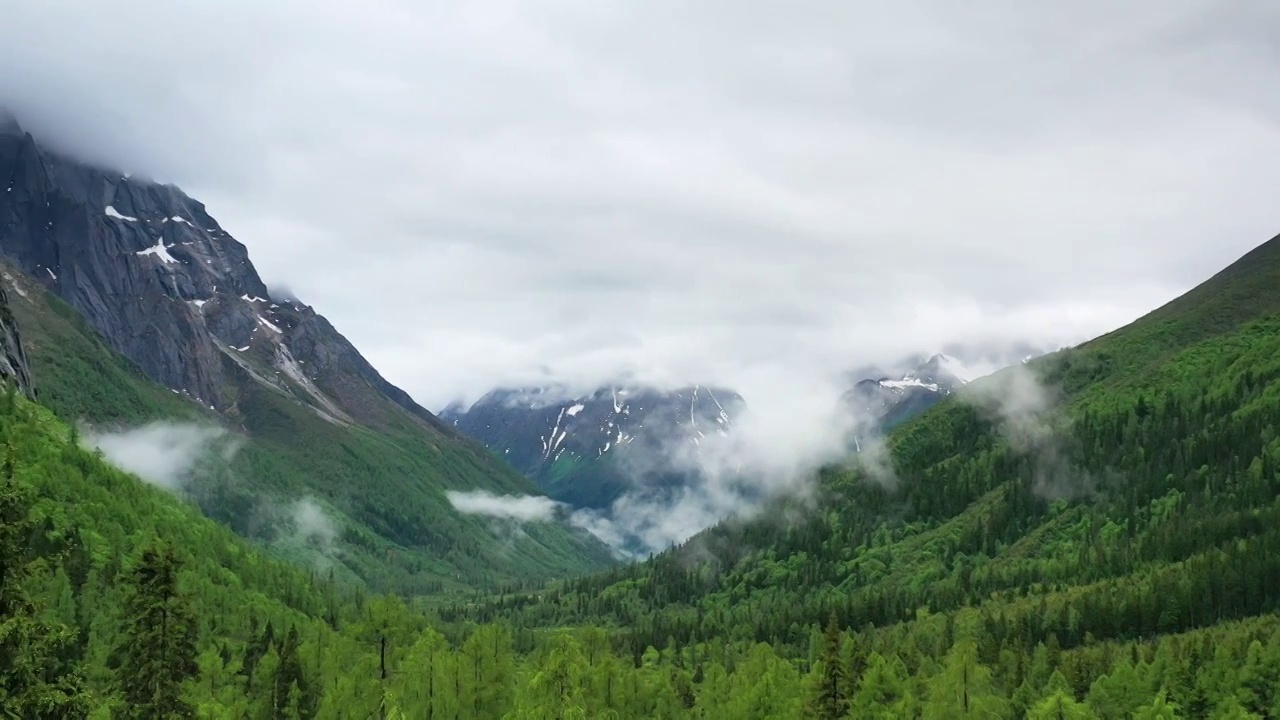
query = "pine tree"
{"x": 828, "y": 701}
{"x": 964, "y": 689}
{"x": 290, "y": 685}
{"x": 1159, "y": 709}
{"x": 159, "y": 649}
{"x": 33, "y": 683}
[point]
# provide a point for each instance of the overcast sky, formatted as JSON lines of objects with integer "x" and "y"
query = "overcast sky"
{"x": 484, "y": 192}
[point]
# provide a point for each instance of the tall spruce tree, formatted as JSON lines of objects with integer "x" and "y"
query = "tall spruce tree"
{"x": 290, "y": 684}
{"x": 828, "y": 701}
{"x": 34, "y": 683}
{"x": 159, "y": 648}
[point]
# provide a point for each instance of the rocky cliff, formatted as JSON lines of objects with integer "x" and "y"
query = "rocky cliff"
{"x": 156, "y": 275}
{"x": 13, "y": 359}
{"x": 123, "y": 286}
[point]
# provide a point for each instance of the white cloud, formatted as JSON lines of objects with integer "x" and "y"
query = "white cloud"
{"x": 535, "y": 191}
{"x": 311, "y": 523}
{"x": 1025, "y": 413}
{"x": 522, "y": 508}
{"x": 164, "y": 454}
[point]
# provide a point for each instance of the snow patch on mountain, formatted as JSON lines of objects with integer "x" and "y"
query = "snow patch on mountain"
{"x": 159, "y": 251}
{"x": 111, "y": 212}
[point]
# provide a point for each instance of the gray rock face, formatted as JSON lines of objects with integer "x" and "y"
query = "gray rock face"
{"x": 13, "y": 359}
{"x": 166, "y": 286}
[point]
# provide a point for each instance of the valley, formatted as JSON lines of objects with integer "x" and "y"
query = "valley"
{"x": 838, "y": 363}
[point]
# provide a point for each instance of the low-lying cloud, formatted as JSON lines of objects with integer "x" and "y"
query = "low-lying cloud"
{"x": 1025, "y": 412}
{"x": 305, "y": 526}
{"x": 779, "y": 442}
{"x": 521, "y": 508}
{"x": 312, "y": 524}
{"x": 776, "y": 443}
{"x": 194, "y": 459}
{"x": 164, "y": 454}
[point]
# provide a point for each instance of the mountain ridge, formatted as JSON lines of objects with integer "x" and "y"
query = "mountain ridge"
{"x": 582, "y": 448}
{"x": 184, "y": 277}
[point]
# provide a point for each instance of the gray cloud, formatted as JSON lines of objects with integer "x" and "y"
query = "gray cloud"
{"x": 312, "y": 523}
{"x": 508, "y": 192}
{"x": 683, "y": 191}
{"x": 774, "y": 448}
{"x": 306, "y": 526}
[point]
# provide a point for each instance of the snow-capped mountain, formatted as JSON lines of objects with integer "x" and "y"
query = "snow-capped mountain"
{"x": 884, "y": 399}
{"x": 587, "y": 449}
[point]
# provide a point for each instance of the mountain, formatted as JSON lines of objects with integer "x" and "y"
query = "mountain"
{"x": 588, "y": 449}
{"x": 1105, "y": 511}
{"x": 881, "y": 400}
{"x": 138, "y": 307}
{"x": 174, "y": 292}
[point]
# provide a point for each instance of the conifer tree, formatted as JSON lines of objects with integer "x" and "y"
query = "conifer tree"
{"x": 965, "y": 688}
{"x": 290, "y": 685}
{"x": 33, "y": 683}
{"x": 828, "y": 700}
{"x": 159, "y": 649}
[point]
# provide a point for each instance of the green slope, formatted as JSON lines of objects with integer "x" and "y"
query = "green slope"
{"x": 385, "y": 488}
{"x": 1144, "y": 504}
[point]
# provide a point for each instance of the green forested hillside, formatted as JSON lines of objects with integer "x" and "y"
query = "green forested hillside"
{"x": 135, "y": 606}
{"x": 384, "y": 488}
{"x": 1135, "y": 500}
{"x": 1097, "y": 538}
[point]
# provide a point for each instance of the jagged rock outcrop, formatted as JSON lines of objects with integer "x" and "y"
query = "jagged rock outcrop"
{"x": 166, "y": 286}
{"x": 13, "y": 359}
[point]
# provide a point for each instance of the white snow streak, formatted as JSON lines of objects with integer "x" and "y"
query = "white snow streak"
{"x": 267, "y": 324}
{"x": 112, "y": 213}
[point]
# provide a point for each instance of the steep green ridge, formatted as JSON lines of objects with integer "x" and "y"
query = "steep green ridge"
{"x": 1243, "y": 291}
{"x": 1141, "y": 503}
{"x": 384, "y": 488}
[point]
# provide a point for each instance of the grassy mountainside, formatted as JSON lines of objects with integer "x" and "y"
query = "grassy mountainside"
{"x": 384, "y": 488}
{"x": 1121, "y": 493}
